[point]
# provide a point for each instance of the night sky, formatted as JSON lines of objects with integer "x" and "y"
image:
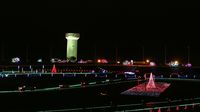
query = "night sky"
{"x": 41, "y": 32}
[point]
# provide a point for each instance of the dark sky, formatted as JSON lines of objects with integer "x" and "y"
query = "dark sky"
{"x": 40, "y": 32}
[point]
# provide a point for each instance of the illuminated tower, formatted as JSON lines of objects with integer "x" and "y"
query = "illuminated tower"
{"x": 72, "y": 43}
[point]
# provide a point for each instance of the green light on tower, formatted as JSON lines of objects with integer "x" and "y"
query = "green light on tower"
{"x": 72, "y": 43}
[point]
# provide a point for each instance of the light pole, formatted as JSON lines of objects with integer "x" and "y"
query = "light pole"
{"x": 2, "y": 51}
{"x": 188, "y": 53}
{"x": 95, "y": 54}
{"x": 142, "y": 53}
{"x": 165, "y": 54}
{"x": 27, "y": 53}
{"x": 116, "y": 54}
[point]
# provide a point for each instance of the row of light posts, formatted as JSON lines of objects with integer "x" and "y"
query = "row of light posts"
{"x": 116, "y": 54}
{"x": 165, "y": 55}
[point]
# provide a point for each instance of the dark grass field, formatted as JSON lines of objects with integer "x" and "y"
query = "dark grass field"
{"x": 93, "y": 96}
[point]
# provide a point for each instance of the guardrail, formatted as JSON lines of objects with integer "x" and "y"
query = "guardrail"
{"x": 165, "y": 105}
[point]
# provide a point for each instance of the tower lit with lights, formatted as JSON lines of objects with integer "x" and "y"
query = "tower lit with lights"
{"x": 72, "y": 44}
